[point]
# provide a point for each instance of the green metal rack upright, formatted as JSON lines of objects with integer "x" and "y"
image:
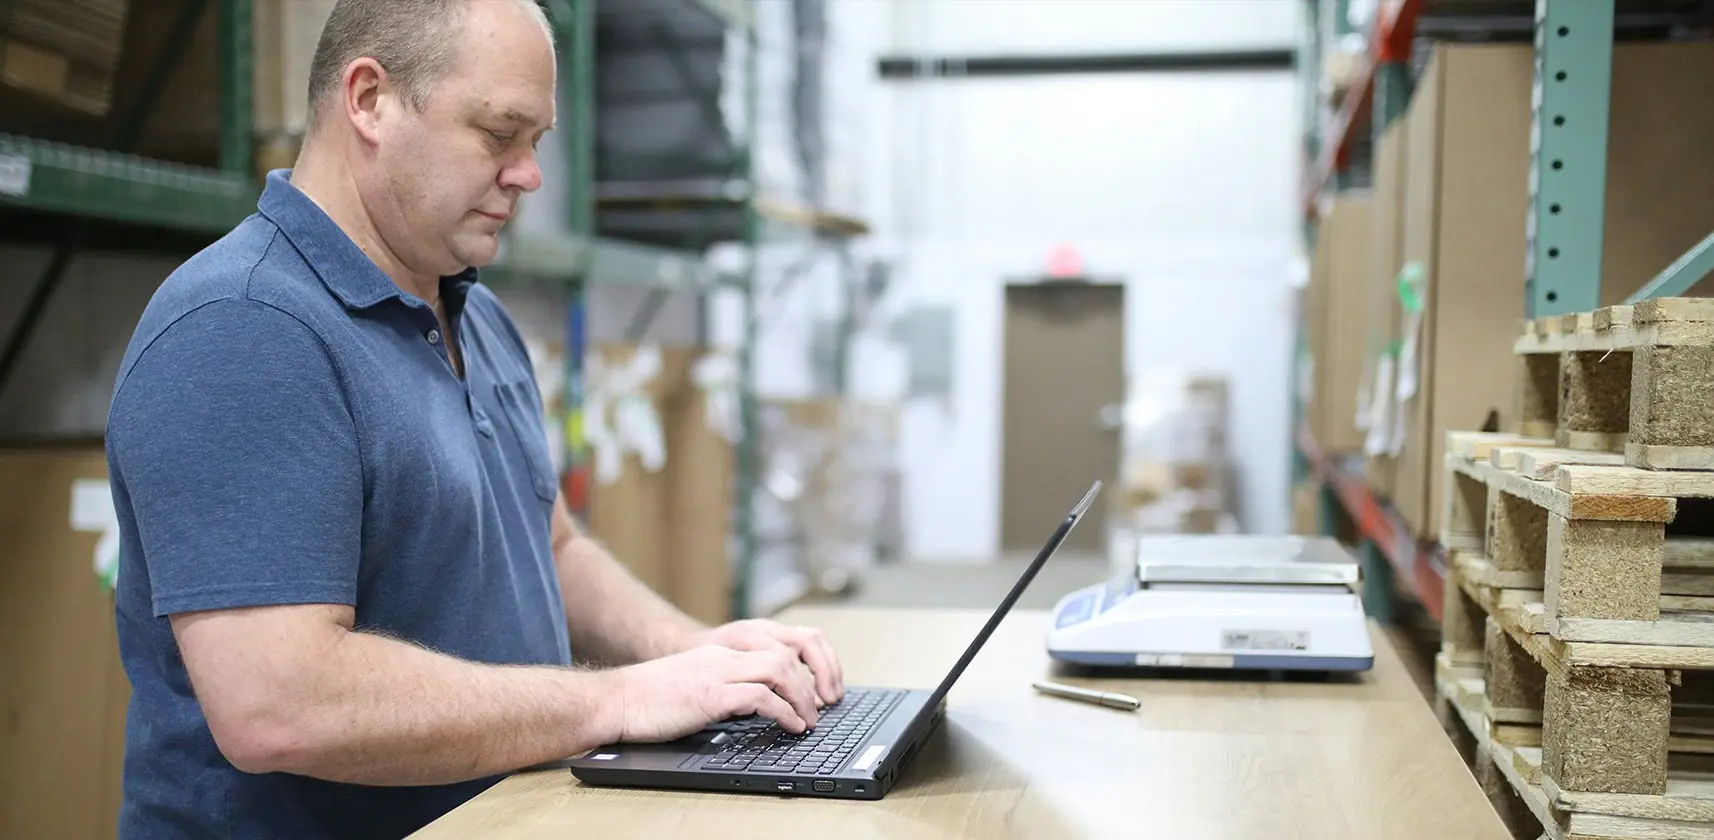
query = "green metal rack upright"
{"x": 1568, "y": 165}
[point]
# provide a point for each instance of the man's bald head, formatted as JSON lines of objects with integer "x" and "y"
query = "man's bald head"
{"x": 415, "y": 41}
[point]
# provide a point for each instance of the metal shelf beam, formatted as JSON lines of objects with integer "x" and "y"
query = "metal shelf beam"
{"x": 57, "y": 178}
{"x": 1677, "y": 279}
{"x": 1395, "y": 26}
{"x": 571, "y": 257}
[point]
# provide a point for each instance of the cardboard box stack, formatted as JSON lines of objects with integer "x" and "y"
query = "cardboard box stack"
{"x": 1176, "y": 470}
{"x": 824, "y": 486}
{"x": 286, "y": 32}
{"x": 1467, "y": 154}
{"x": 666, "y": 510}
{"x": 1390, "y": 293}
{"x": 63, "y": 694}
{"x": 65, "y": 51}
{"x": 1335, "y": 306}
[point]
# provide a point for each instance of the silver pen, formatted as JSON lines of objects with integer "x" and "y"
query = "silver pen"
{"x": 1087, "y": 695}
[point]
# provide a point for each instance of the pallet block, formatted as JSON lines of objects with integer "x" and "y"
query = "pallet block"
{"x": 1635, "y": 380}
{"x": 1591, "y": 537}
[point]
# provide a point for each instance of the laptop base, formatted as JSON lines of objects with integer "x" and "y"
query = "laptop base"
{"x": 868, "y": 774}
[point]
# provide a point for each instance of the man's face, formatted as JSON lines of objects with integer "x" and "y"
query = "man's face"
{"x": 449, "y": 176}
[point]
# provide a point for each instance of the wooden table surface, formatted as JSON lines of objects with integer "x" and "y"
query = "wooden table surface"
{"x": 1210, "y": 757}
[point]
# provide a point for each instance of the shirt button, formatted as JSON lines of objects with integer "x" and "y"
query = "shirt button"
{"x": 433, "y": 336}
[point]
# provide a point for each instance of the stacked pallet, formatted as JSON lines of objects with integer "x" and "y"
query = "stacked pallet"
{"x": 1578, "y": 624}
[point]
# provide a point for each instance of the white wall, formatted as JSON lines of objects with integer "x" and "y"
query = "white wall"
{"x": 1180, "y": 183}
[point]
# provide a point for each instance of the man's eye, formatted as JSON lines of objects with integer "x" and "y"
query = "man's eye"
{"x": 500, "y": 137}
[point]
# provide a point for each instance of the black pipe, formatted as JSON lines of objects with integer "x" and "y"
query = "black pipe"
{"x": 900, "y": 67}
{"x": 38, "y": 303}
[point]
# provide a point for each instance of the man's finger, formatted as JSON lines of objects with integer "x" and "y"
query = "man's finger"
{"x": 838, "y": 672}
{"x": 783, "y": 672}
{"x": 818, "y": 654}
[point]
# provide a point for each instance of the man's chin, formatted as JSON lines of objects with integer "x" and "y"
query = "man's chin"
{"x": 479, "y": 251}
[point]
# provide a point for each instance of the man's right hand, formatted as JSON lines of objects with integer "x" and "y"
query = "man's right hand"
{"x": 677, "y": 695}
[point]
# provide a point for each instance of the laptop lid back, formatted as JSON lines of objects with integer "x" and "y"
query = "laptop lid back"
{"x": 1023, "y": 583}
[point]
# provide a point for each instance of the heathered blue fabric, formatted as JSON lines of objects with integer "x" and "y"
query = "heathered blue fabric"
{"x": 284, "y": 431}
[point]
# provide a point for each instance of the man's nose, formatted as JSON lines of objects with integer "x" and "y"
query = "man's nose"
{"x": 524, "y": 174}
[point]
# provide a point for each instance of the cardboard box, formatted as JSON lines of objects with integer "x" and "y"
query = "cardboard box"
{"x": 1306, "y": 508}
{"x": 63, "y": 697}
{"x": 1466, "y": 208}
{"x": 1337, "y": 301}
{"x": 285, "y": 39}
{"x": 670, "y": 526}
{"x": 1384, "y": 314}
{"x": 66, "y": 51}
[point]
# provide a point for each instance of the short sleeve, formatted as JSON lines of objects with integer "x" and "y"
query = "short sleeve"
{"x": 240, "y": 461}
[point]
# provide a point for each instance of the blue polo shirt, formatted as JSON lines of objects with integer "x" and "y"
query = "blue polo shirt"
{"x": 287, "y": 429}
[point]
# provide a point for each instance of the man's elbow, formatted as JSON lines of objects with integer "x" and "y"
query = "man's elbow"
{"x": 264, "y": 738}
{"x": 261, "y": 677}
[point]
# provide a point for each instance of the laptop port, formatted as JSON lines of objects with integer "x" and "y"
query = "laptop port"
{"x": 860, "y": 788}
{"x": 785, "y": 787}
{"x": 823, "y": 785}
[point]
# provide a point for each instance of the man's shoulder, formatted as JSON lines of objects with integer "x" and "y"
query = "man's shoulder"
{"x": 253, "y": 267}
{"x": 253, "y": 261}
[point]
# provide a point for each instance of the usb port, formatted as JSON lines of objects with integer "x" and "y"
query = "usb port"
{"x": 785, "y": 787}
{"x": 823, "y": 785}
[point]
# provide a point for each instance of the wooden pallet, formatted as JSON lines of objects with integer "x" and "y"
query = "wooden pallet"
{"x": 1592, "y": 746}
{"x": 1592, "y": 537}
{"x": 1635, "y": 380}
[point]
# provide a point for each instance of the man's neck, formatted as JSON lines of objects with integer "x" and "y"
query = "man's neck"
{"x": 328, "y": 183}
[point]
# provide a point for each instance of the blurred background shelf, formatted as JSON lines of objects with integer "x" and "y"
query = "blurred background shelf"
{"x": 44, "y": 176}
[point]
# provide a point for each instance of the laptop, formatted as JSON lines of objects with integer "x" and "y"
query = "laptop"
{"x": 857, "y": 750}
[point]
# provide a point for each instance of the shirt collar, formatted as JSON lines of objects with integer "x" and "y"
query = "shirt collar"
{"x": 342, "y": 266}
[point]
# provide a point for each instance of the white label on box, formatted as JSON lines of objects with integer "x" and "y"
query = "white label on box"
{"x": 92, "y": 511}
{"x": 14, "y": 175}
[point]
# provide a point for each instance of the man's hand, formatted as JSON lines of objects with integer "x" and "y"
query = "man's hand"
{"x": 807, "y": 644}
{"x": 676, "y": 695}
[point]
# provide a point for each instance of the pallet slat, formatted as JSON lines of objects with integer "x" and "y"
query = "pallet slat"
{"x": 1631, "y": 380}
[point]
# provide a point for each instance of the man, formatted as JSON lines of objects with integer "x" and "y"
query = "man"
{"x": 349, "y": 595}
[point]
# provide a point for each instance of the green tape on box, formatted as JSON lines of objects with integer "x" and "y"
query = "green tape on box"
{"x": 1409, "y": 286}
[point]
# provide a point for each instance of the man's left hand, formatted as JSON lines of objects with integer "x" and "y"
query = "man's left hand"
{"x": 809, "y": 643}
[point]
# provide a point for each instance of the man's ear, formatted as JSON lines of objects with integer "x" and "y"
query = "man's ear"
{"x": 364, "y": 93}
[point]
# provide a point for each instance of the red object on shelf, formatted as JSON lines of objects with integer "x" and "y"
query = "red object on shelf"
{"x": 1418, "y": 567}
{"x": 1395, "y": 27}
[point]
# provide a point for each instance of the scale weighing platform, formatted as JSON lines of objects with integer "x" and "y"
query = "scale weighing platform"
{"x": 1221, "y": 601}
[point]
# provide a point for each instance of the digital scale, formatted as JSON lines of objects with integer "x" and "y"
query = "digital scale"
{"x": 1221, "y": 601}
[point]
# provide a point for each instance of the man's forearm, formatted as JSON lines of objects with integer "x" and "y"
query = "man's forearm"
{"x": 378, "y": 711}
{"x": 612, "y": 616}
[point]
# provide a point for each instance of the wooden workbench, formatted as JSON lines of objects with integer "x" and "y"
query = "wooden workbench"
{"x": 1214, "y": 757}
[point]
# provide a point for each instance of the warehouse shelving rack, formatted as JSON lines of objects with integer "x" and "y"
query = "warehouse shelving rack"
{"x": 674, "y": 262}
{"x": 74, "y": 188}
{"x": 1573, "y": 42}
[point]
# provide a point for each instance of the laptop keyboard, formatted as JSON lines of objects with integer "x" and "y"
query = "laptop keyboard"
{"x": 759, "y": 745}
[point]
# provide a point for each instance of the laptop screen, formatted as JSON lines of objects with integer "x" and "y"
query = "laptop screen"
{"x": 1023, "y": 583}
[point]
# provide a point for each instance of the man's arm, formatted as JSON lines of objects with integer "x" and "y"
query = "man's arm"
{"x": 618, "y": 620}
{"x": 294, "y": 689}
{"x": 612, "y": 616}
